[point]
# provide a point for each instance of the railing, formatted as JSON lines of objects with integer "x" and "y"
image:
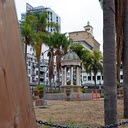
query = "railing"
{"x": 62, "y": 126}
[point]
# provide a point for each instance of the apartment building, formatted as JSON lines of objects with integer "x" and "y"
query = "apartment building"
{"x": 52, "y": 16}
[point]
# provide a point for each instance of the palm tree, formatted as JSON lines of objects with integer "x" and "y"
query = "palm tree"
{"x": 93, "y": 62}
{"x": 121, "y": 32}
{"x": 125, "y": 61}
{"x": 119, "y": 18}
{"x": 40, "y": 38}
{"x": 40, "y": 23}
{"x": 50, "y": 43}
{"x": 60, "y": 41}
{"x": 77, "y": 48}
{"x": 66, "y": 45}
{"x": 109, "y": 62}
{"x": 27, "y": 33}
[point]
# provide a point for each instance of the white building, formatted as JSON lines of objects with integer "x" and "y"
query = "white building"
{"x": 88, "y": 80}
{"x": 52, "y": 16}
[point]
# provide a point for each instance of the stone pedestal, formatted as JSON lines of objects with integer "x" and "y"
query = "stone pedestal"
{"x": 67, "y": 99}
{"x": 39, "y": 102}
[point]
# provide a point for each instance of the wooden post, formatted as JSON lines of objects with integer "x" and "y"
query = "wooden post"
{"x": 16, "y": 109}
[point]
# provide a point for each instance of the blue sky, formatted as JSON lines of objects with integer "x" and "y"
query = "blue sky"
{"x": 74, "y": 14}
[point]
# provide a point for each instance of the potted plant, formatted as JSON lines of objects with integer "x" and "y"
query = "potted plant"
{"x": 40, "y": 91}
{"x": 68, "y": 92}
{"x": 35, "y": 91}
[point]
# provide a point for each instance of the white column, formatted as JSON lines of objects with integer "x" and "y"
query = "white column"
{"x": 62, "y": 76}
{"x": 71, "y": 75}
{"x": 65, "y": 76}
{"x": 78, "y": 76}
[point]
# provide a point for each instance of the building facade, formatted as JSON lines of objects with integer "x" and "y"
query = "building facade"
{"x": 85, "y": 38}
{"x": 52, "y": 16}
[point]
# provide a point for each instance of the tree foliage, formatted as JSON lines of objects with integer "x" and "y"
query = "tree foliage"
{"x": 93, "y": 62}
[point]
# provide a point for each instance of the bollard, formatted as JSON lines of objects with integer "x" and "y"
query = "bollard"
{"x": 78, "y": 96}
{"x": 92, "y": 95}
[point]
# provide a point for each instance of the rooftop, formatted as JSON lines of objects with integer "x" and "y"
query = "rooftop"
{"x": 71, "y": 56}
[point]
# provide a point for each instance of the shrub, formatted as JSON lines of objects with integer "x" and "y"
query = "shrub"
{"x": 102, "y": 96}
{"x": 40, "y": 87}
{"x": 83, "y": 90}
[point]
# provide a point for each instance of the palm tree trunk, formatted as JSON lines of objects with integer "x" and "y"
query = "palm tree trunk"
{"x": 59, "y": 80}
{"x": 50, "y": 86}
{"x": 95, "y": 79}
{"x": 39, "y": 72}
{"x": 109, "y": 63}
{"x": 125, "y": 61}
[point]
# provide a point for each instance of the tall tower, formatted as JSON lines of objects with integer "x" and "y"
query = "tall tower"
{"x": 88, "y": 28}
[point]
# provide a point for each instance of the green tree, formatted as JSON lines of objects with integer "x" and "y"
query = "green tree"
{"x": 41, "y": 34}
{"x": 121, "y": 39}
{"x": 27, "y": 33}
{"x": 109, "y": 62}
{"x": 119, "y": 20}
{"x": 60, "y": 41}
{"x": 40, "y": 38}
{"x": 93, "y": 62}
{"x": 77, "y": 48}
{"x": 50, "y": 43}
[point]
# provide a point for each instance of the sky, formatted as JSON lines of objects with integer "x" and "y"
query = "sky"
{"x": 74, "y": 14}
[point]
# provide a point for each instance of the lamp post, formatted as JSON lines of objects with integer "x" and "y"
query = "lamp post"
{"x": 44, "y": 74}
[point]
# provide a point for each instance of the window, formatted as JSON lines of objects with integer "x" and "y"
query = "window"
{"x": 36, "y": 72}
{"x": 102, "y": 77}
{"x": 30, "y": 49}
{"x": 84, "y": 78}
{"x": 93, "y": 78}
{"x": 98, "y": 77}
{"x": 28, "y": 71}
{"x": 29, "y": 79}
{"x": 41, "y": 80}
{"x": 56, "y": 19}
{"x": 33, "y": 79}
{"x": 22, "y": 16}
{"x": 29, "y": 63}
{"x": 51, "y": 30}
{"x": 89, "y": 78}
{"x": 121, "y": 76}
